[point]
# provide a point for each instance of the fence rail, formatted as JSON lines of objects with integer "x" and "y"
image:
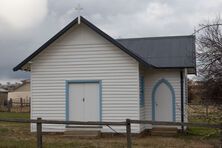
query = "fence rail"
{"x": 176, "y": 123}
{"x": 126, "y": 123}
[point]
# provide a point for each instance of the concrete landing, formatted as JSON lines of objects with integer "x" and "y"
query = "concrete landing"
{"x": 82, "y": 133}
{"x": 164, "y": 131}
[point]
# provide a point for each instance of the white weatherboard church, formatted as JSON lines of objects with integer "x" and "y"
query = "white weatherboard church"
{"x": 83, "y": 74}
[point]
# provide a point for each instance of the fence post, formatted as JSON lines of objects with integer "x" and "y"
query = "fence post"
{"x": 39, "y": 132}
{"x": 29, "y": 104}
{"x": 9, "y": 105}
{"x": 21, "y": 104}
{"x": 128, "y": 133}
{"x": 221, "y": 135}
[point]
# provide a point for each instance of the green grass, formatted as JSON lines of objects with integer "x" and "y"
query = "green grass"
{"x": 18, "y": 135}
{"x": 14, "y": 115}
{"x": 204, "y": 131}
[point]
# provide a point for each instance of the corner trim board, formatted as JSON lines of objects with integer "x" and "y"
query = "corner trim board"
{"x": 141, "y": 89}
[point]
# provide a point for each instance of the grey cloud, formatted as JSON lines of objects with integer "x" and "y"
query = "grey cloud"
{"x": 119, "y": 18}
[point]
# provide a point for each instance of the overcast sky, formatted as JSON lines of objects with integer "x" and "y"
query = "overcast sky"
{"x": 27, "y": 24}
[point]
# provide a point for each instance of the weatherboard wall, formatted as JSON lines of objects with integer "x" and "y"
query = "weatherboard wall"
{"x": 82, "y": 54}
{"x": 151, "y": 78}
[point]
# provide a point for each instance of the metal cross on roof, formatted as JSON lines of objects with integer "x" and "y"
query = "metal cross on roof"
{"x": 79, "y": 9}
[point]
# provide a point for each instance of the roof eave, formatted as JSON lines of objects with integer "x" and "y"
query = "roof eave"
{"x": 55, "y": 37}
{"x": 103, "y": 34}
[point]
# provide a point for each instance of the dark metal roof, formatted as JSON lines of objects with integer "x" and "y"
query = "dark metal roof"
{"x": 93, "y": 27}
{"x": 164, "y": 52}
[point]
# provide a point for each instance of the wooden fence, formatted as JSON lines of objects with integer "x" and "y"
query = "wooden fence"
{"x": 204, "y": 109}
{"x": 16, "y": 105}
{"x": 126, "y": 123}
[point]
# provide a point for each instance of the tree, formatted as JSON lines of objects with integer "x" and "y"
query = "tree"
{"x": 209, "y": 54}
{"x": 195, "y": 89}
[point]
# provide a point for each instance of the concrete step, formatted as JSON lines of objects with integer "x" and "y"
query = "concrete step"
{"x": 164, "y": 131}
{"x": 163, "y": 134}
{"x": 82, "y": 133}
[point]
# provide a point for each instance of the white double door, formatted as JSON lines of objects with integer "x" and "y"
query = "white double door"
{"x": 84, "y": 100}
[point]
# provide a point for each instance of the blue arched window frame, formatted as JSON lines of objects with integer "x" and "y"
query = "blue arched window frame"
{"x": 164, "y": 81}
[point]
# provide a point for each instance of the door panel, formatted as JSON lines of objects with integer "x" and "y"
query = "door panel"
{"x": 76, "y": 94}
{"x": 163, "y": 102}
{"x": 92, "y": 102}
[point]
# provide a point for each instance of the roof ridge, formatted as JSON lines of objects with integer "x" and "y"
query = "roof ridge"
{"x": 157, "y": 37}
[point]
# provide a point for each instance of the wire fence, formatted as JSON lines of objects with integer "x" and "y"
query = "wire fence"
{"x": 127, "y": 123}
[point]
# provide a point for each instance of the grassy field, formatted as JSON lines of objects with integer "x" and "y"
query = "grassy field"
{"x": 203, "y": 131}
{"x": 197, "y": 113}
{"x": 18, "y": 135}
{"x": 14, "y": 115}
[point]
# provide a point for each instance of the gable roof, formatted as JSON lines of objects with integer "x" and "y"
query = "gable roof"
{"x": 93, "y": 27}
{"x": 24, "y": 83}
{"x": 156, "y": 52}
{"x": 164, "y": 52}
{"x": 2, "y": 90}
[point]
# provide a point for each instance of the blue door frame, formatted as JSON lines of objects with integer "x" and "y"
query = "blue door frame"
{"x": 154, "y": 96}
{"x": 83, "y": 81}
